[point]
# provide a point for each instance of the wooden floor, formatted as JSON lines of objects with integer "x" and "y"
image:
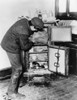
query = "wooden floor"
{"x": 58, "y": 89}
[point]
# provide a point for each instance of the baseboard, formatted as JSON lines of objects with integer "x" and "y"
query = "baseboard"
{"x": 5, "y": 73}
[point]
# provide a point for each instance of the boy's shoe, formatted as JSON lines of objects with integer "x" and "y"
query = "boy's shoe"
{"x": 16, "y": 96}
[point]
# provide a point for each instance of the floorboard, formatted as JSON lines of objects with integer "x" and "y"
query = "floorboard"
{"x": 60, "y": 88}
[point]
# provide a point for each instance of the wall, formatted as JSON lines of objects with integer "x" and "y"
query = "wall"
{"x": 10, "y": 10}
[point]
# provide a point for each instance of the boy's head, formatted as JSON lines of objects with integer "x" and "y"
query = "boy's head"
{"x": 37, "y": 23}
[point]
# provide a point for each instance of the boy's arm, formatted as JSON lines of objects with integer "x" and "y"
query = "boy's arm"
{"x": 25, "y": 43}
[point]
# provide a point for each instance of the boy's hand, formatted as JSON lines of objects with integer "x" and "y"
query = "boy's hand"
{"x": 31, "y": 38}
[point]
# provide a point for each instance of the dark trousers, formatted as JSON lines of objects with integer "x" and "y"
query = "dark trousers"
{"x": 18, "y": 68}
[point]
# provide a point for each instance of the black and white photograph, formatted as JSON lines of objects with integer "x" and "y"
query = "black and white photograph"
{"x": 38, "y": 49}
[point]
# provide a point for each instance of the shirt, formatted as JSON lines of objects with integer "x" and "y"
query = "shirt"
{"x": 17, "y": 37}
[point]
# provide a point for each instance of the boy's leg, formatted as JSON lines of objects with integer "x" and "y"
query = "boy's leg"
{"x": 16, "y": 75}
